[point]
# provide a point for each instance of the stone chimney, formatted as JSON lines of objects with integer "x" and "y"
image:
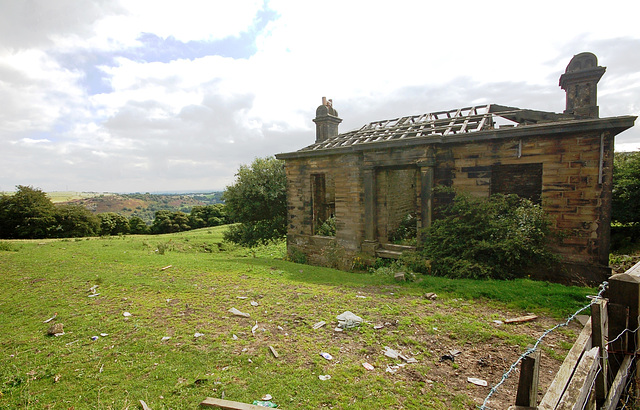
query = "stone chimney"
{"x": 326, "y": 121}
{"x": 580, "y": 81}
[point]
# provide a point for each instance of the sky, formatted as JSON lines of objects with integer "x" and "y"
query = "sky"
{"x": 154, "y": 95}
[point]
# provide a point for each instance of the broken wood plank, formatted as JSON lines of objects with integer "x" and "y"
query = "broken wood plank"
{"x": 273, "y": 352}
{"x": 559, "y": 383}
{"x": 521, "y": 319}
{"x": 581, "y": 384}
{"x": 228, "y": 404}
{"x": 618, "y": 385}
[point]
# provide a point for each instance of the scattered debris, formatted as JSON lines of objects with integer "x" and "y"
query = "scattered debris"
{"x": 236, "y": 312}
{"x": 338, "y": 329}
{"x": 126, "y": 314}
{"x": 391, "y": 353}
{"x": 399, "y": 276}
{"x": 319, "y": 324}
{"x": 326, "y": 356}
{"x": 521, "y": 319}
{"x": 393, "y": 369}
{"x": 348, "y": 320}
{"x": 454, "y": 352}
{"x": 430, "y": 296}
{"x": 254, "y": 303}
{"x": 253, "y": 329}
{"x": 104, "y": 334}
{"x": 93, "y": 295}
{"x": 56, "y": 378}
{"x": 70, "y": 343}
{"x": 408, "y": 359}
{"x": 93, "y": 288}
{"x": 267, "y": 397}
{"x": 234, "y": 337}
{"x": 166, "y": 267}
{"x": 361, "y": 296}
{"x": 498, "y": 322}
{"x": 324, "y": 377}
{"x": 165, "y": 338}
{"x": 144, "y": 405}
{"x": 275, "y": 354}
{"x": 378, "y": 327}
{"x": 264, "y": 403}
{"x": 477, "y": 382}
{"x": 51, "y": 318}
{"x": 198, "y": 334}
{"x": 242, "y": 297}
{"x": 101, "y": 367}
{"x": 56, "y": 330}
{"x": 367, "y": 366}
{"x": 94, "y": 338}
{"x": 447, "y": 357}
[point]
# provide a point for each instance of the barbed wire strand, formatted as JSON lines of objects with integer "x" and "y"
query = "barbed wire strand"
{"x": 506, "y": 375}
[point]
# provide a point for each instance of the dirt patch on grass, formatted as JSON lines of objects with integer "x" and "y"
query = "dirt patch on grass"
{"x": 451, "y": 341}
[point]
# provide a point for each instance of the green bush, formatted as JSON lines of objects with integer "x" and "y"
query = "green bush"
{"x": 499, "y": 237}
{"x": 407, "y": 232}
{"x": 328, "y": 227}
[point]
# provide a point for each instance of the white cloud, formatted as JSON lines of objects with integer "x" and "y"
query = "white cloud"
{"x": 187, "y": 123}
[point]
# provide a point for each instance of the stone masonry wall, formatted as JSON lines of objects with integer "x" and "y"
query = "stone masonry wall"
{"x": 571, "y": 191}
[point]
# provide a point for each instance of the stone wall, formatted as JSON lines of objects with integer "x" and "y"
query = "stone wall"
{"x": 574, "y": 190}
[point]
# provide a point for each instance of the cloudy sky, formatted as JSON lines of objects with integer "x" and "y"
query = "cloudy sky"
{"x": 154, "y": 95}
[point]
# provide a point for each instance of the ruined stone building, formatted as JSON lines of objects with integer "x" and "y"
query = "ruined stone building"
{"x": 371, "y": 178}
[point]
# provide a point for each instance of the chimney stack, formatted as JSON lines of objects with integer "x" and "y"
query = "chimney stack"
{"x": 326, "y": 121}
{"x": 580, "y": 81}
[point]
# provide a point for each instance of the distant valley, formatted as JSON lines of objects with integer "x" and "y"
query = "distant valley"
{"x": 141, "y": 205}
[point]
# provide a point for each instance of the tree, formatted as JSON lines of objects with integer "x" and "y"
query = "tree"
{"x": 170, "y": 222}
{"x": 27, "y": 214}
{"x": 209, "y": 215}
{"x": 112, "y": 223}
{"x": 137, "y": 225}
{"x": 74, "y": 221}
{"x": 625, "y": 207}
{"x": 625, "y": 204}
{"x": 258, "y": 200}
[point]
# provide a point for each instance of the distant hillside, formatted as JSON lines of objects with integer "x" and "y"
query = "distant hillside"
{"x": 145, "y": 205}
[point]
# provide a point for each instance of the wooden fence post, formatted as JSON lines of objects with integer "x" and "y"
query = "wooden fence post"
{"x": 527, "y": 395}
{"x": 624, "y": 289}
{"x": 599, "y": 329}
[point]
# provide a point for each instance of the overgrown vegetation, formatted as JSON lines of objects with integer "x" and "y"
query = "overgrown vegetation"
{"x": 328, "y": 227}
{"x": 407, "y": 232}
{"x": 499, "y": 238}
{"x": 257, "y": 200}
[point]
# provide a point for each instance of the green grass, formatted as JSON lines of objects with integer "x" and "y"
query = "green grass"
{"x": 206, "y": 277}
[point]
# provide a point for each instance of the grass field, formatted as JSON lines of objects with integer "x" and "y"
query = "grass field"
{"x": 155, "y": 356}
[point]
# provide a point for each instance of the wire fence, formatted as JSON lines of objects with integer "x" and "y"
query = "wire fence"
{"x": 505, "y": 376}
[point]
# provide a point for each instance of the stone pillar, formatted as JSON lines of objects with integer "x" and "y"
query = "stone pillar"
{"x": 427, "y": 178}
{"x": 369, "y": 184}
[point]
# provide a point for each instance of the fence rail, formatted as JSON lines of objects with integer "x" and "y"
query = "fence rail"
{"x": 601, "y": 365}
